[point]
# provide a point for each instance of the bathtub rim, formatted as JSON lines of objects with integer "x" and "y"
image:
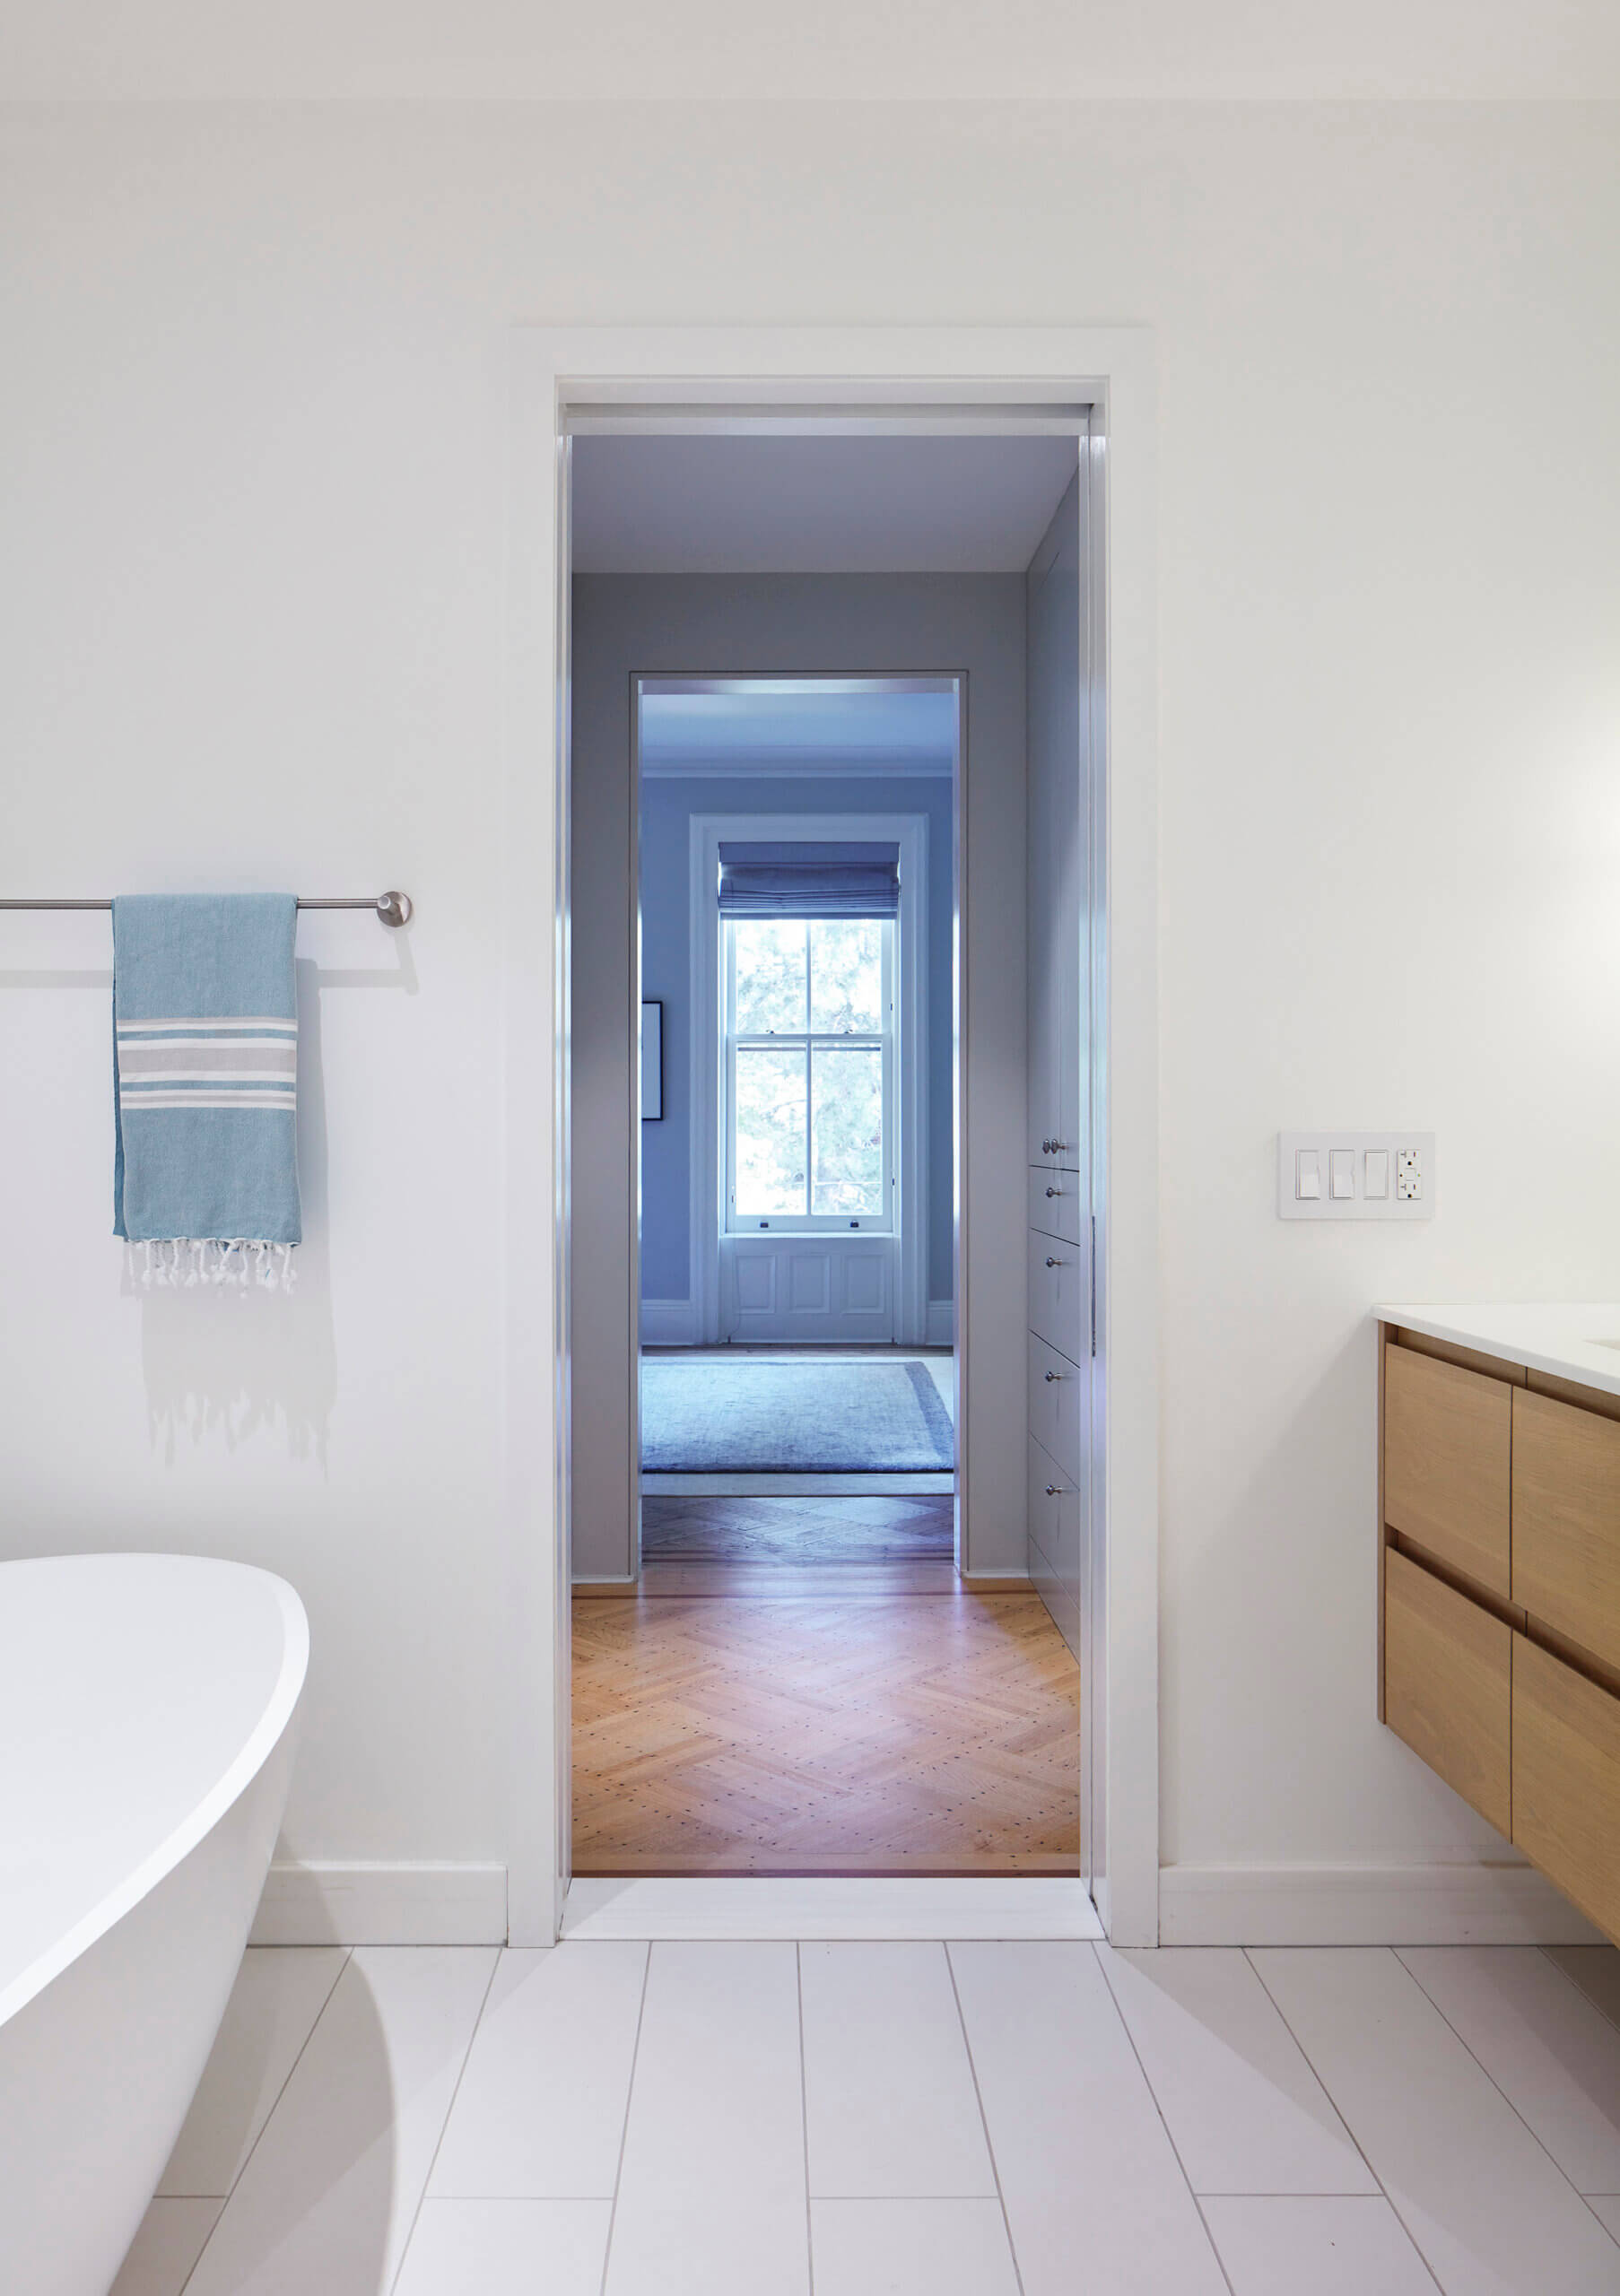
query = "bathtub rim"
{"x": 173, "y": 1847}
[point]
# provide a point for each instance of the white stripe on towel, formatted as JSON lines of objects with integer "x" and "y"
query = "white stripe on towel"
{"x": 281, "y": 1026}
{"x": 264, "y": 1099}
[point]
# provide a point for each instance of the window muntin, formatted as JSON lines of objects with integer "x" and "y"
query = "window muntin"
{"x": 810, "y": 1067}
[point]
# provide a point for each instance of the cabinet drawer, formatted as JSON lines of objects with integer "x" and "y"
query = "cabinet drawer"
{"x": 1055, "y": 1516}
{"x": 1447, "y": 1674}
{"x": 1062, "y": 1602}
{"x": 1566, "y": 1780}
{"x": 1059, "y": 1295}
{"x": 1054, "y": 1384}
{"x": 1566, "y": 1520}
{"x": 1055, "y": 1203}
{"x": 1447, "y": 1439}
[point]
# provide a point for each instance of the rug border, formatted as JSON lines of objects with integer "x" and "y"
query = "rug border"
{"x": 937, "y": 1421}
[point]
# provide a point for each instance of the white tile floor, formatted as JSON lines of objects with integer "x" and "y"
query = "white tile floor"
{"x": 767, "y": 2119}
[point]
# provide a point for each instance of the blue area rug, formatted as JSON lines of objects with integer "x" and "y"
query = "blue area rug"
{"x": 746, "y": 1414}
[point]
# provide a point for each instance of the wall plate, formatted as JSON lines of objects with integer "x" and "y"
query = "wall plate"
{"x": 1392, "y": 1146}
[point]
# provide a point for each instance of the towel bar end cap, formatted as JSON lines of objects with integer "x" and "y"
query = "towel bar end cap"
{"x": 394, "y": 909}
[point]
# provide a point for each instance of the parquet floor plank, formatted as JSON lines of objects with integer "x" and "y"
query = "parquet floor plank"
{"x": 818, "y": 1713}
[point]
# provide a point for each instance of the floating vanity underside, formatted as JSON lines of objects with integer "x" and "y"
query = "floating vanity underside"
{"x": 1499, "y": 1574}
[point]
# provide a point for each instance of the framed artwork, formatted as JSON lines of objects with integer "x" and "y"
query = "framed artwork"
{"x": 652, "y": 1060}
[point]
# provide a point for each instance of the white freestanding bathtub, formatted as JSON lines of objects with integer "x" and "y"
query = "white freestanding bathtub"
{"x": 146, "y": 1705}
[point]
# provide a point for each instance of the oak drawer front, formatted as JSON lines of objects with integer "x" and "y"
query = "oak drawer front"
{"x": 1055, "y": 1203}
{"x": 1566, "y": 1780}
{"x": 1060, "y": 1299}
{"x": 1447, "y": 1685}
{"x": 1448, "y": 1441}
{"x": 1566, "y": 1520}
{"x": 1054, "y": 1386}
{"x": 1055, "y": 1516}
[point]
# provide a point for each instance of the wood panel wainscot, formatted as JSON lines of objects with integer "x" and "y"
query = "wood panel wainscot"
{"x": 1499, "y": 1599}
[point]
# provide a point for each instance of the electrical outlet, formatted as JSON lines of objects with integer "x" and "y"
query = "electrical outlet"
{"x": 1356, "y": 1176}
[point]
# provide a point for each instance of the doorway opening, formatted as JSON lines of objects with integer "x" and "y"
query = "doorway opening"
{"x": 827, "y": 1615}
{"x": 808, "y": 1363}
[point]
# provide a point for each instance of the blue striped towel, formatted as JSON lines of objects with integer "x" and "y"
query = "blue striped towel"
{"x": 205, "y": 1027}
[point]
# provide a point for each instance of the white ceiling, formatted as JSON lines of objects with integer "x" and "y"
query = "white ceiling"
{"x": 619, "y": 49}
{"x": 815, "y": 506}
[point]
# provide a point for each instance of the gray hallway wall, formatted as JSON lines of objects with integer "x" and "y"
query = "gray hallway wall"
{"x": 625, "y": 625}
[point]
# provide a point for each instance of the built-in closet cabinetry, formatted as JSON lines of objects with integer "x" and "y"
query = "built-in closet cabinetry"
{"x": 1059, "y": 1240}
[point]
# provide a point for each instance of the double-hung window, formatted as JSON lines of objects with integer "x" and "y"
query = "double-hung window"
{"x": 810, "y": 1064}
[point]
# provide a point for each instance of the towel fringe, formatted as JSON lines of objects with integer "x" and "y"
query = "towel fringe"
{"x": 180, "y": 1263}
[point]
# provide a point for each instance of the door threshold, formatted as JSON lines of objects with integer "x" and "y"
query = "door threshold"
{"x": 823, "y": 1906}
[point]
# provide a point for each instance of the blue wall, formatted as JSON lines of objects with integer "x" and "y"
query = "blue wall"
{"x": 666, "y": 807}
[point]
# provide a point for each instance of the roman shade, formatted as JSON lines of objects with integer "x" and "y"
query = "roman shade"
{"x": 804, "y": 880}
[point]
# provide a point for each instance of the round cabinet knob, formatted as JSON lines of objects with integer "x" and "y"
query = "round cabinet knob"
{"x": 1054, "y": 1263}
{"x": 1051, "y": 1375}
{"x": 1054, "y": 1191}
{"x": 1046, "y": 1147}
{"x": 1054, "y": 1490}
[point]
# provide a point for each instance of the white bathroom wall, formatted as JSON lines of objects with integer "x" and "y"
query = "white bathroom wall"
{"x": 253, "y": 431}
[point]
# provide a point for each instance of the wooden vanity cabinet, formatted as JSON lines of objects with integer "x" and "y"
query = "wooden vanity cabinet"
{"x": 1448, "y": 1449}
{"x": 1448, "y": 1674}
{"x": 1566, "y": 1520}
{"x": 1499, "y": 1590}
{"x": 1566, "y": 1780}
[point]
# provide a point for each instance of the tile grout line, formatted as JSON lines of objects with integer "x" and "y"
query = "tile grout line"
{"x": 292, "y": 2068}
{"x": 1575, "y": 1984}
{"x": 984, "y": 2119}
{"x": 455, "y": 2092}
{"x": 630, "y": 2085}
{"x": 1389, "y": 2198}
{"x": 1496, "y": 2084}
{"x": 270, "y": 2115}
{"x": 804, "y": 2108}
{"x": 1193, "y": 2194}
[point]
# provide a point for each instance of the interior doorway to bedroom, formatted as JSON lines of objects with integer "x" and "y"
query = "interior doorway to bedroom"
{"x": 796, "y": 875}
{"x": 806, "y": 1637}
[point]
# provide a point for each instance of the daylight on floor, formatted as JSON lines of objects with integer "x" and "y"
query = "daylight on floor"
{"x": 755, "y": 755}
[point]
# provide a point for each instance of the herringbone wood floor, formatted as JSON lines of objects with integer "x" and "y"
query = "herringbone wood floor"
{"x": 793, "y": 1712}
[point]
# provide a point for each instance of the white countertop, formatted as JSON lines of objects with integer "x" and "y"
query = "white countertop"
{"x": 1579, "y": 1342}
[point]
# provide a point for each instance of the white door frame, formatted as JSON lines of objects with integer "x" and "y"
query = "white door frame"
{"x": 910, "y": 831}
{"x": 940, "y": 379}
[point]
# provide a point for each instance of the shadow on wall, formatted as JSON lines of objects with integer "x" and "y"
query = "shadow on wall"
{"x": 239, "y": 1363}
{"x": 1290, "y": 1542}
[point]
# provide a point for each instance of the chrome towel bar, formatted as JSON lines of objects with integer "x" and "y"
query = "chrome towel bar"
{"x": 390, "y": 909}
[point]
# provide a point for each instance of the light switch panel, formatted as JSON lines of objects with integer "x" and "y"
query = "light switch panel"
{"x": 1356, "y": 1176}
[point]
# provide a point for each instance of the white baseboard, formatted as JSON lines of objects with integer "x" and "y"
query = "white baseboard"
{"x": 669, "y": 1322}
{"x": 1459, "y": 1902}
{"x": 942, "y": 1323}
{"x": 425, "y": 1904}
